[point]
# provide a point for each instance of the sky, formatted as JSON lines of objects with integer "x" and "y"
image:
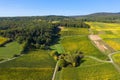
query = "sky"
{"x": 56, "y": 7}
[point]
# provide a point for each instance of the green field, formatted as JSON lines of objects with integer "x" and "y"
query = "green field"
{"x": 89, "y": 70}
{"x": 113, "y": 42}
{"x": 10, "y": 49}
{"x": 116, "y": 58}
{"x": 36, "y": 65}
{"x": 58, "y": 47}
{"x": 105, "y": 30}
{"x": 83, "y": 44}
{"x": 74, "y": 31}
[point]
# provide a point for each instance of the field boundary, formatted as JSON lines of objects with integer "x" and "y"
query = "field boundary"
{"x": 97, "y": 59}
{"x": 10, "y": 59}
{"x": 115, "y": 65}
{"x": 109, "y": 55}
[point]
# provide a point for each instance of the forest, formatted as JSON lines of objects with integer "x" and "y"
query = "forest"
{"x": 36, "y": 32}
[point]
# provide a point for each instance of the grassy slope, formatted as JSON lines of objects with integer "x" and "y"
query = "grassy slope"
{"x": 37, "y": 65}
{"x": 9, "y": 50}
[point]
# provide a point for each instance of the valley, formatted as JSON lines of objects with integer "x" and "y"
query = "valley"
{"x": 66, "y": 50}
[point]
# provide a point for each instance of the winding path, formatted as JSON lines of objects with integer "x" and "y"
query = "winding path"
{"x": 102, "y": 48}
{"x": 115, "y": 65}
{"x": 99, "y": 60}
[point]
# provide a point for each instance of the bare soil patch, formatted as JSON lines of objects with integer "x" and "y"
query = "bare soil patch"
{"x": 100, "y": 44}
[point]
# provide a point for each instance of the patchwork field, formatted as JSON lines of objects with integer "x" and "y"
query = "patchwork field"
{"x": 83, "y": 44}
{"x": 9, "y": 50}
{"x": 109, "y": 32}
{"x": 108, "y": 27}
{"x": 74, "y": 31}
{"x": 89, "y": 70}
{"x": 37, "y": 65}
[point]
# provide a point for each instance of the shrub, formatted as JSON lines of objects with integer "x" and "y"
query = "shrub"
{"x": 62, "y": 63}
{"x": 54, "y": 53}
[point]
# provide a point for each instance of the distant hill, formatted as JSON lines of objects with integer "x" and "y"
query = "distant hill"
{"x": 102, "y": 16}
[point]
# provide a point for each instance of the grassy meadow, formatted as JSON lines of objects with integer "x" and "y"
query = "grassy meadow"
{"x": 36, "y": 65}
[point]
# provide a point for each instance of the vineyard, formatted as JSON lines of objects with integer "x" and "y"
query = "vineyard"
{"x": 9, "y": 50}
{"x": 83, "y": 44}
{"x": 37, "y": 64}
{"x": 109, "y": 32}
{"x": 74, "y": 31}
{"x": 91, "y": 68}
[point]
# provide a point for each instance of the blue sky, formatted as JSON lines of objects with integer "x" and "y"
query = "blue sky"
{"x": 56, "y": 7}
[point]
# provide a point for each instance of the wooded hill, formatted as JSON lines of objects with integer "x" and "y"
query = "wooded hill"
{"x": 100, "y": 17}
